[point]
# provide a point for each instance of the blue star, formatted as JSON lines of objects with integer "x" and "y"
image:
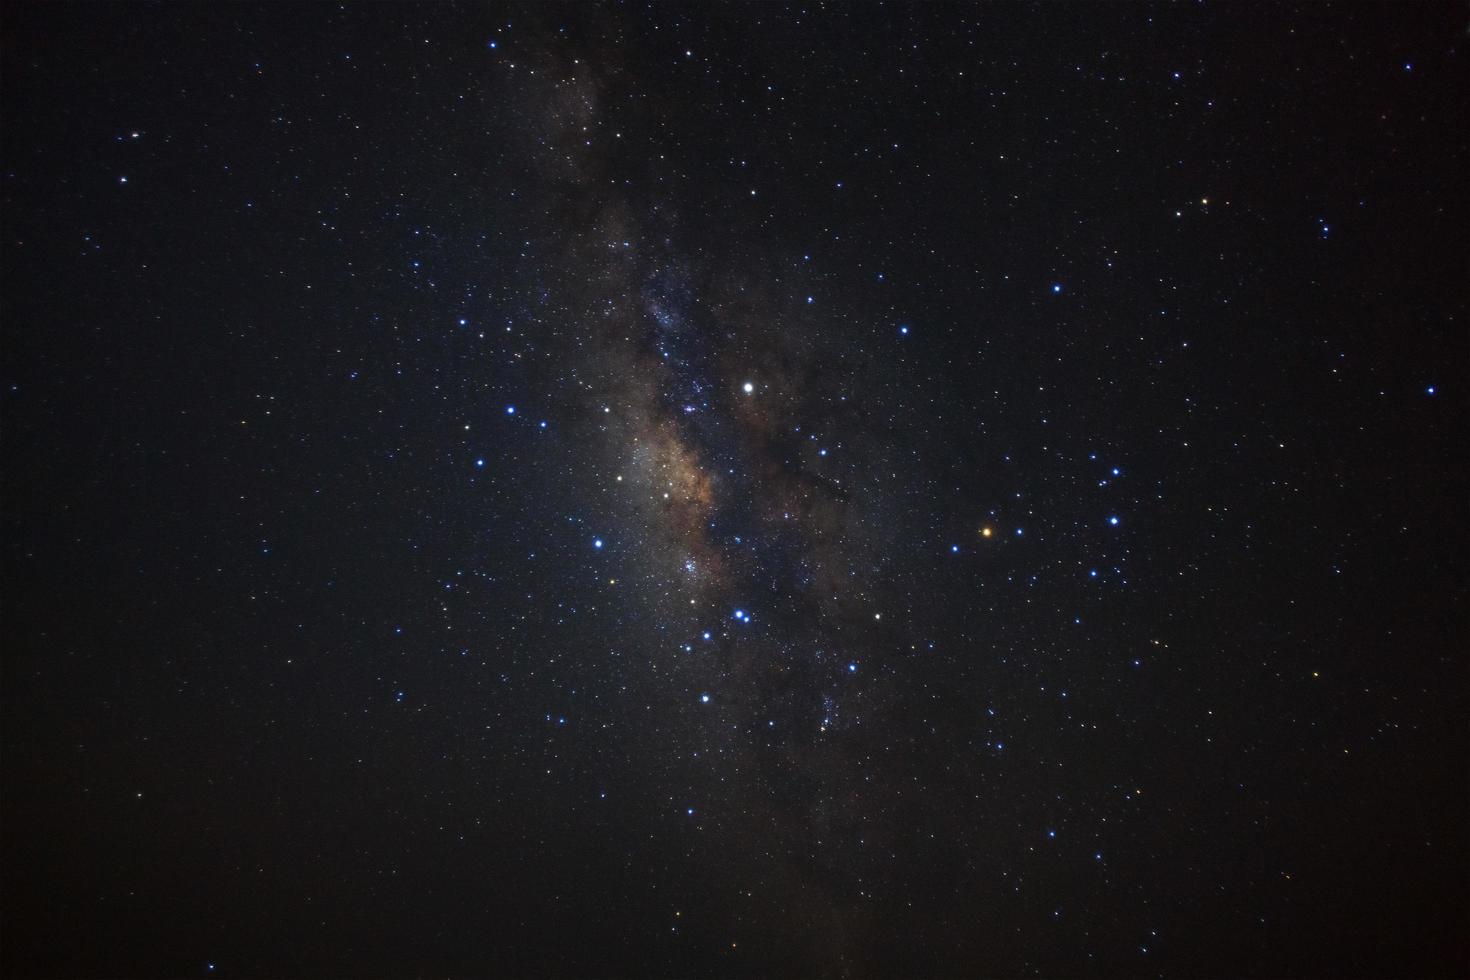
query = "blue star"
{"x": 704, "y": 699}
{"x": 852, "y": 668}
{"x": 904, "y": 331}
{"x": 1429, "y": 390}
{"x": 954, "y": 548}
{"x": 1113, "y": 521}
{"x": 1056, "y": 287}
{"x": 1019, "y": 532}
{"x": 706, "y": 634}
{"x": 597, "y": 543}
{"x": 479, "y": 462}
{"x": 1115, "y": 471}
{"x": 510, "y": 410}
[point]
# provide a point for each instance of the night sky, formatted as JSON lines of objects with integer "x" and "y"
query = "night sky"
{"x": 723, "y": 491}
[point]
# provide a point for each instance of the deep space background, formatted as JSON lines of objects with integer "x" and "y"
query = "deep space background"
{"x": 734, "y": 490}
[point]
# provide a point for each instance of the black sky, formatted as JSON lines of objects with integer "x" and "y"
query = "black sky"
{"x": 719, "y": 490}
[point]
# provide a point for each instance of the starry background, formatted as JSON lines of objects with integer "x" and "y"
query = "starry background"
{"x": 749, "y": 490}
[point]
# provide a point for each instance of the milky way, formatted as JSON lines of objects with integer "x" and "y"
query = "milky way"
{"x": 734, "y": 490}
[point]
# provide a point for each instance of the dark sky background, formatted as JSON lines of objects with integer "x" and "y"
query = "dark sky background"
{"x": 690, "y": 491}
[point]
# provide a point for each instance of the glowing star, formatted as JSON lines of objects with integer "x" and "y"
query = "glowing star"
{"x": 852, "y": 668}
{"x": 704, "y": 699}
{"x": 748, "y": 387}
{"x": 1056, "y": 287}
{"x": 597, "y": 543}
{"x": 510, "y": 410}
{"x": 985, "y": 532}
{"x": 904, "y": 331}
{"x": 1113, "y": 521}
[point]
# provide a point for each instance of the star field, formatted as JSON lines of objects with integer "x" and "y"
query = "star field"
{"x": 734, "y": 490}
